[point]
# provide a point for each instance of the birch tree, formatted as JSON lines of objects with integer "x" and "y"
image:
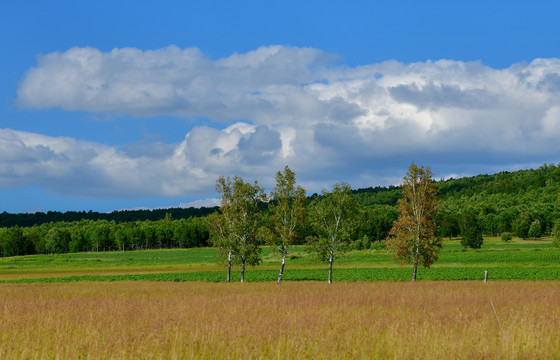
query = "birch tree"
{"x": 220, "y": 224}
{"x": 412, "y": 239}
{"x": 333, "y": 220}
{"x": 287, "y": 213}
{"x": 235, "y": 229}
{"x": 247, "y": 201}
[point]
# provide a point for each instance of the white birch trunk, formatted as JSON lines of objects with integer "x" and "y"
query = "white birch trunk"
{"x": 242, "y": 271}
{"x": 282, "y": 266}
{"x": 229, "y": 267}
{"x": 330, "y": 268}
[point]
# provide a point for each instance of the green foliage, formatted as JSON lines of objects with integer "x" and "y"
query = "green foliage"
{"x": 504, "y": 202}
{"x": 375, "y": 222}
{"x": 506, "y": 236}
{"x": 363, "y": 243}
{"x": 102, "y": 236}
{"x": 38, "y": 218}
{"x": 448, "y": 225}
{"x": 287, "y": 211}
{"x": 379, "y": 245}
{"x": 371, "y": 197}
{"x": 470, "y": 231}
{"x": 413, "y": 237}
{"x": 13, "y": 242}
{"x": 57, "y": 241}
{"x": 535, "y": 230}
{"x": 287, "y": 214}
{"x": 332, "y": 218}
{"x": 521, "y": 225}
{"x": 236, "y": 228}
{"x": 556, "y": 233}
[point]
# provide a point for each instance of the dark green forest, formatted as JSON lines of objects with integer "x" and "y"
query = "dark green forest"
{"x": 524, "y": 203}
{"x": 38, "y": 218}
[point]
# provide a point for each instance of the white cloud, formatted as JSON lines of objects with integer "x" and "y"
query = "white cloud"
{"x": 282, "y": 105}
{"x": 202, "y": 203}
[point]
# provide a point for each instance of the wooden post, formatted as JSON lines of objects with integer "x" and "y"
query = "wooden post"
{"x": 485, "y": 275}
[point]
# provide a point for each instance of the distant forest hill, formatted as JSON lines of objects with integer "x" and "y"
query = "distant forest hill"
{"x": 502, "y": 202}
{"x": 518, "y": 183}
{"x": 120, "y": 216}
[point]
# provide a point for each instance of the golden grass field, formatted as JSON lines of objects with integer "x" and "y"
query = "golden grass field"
{"x": 298, "y": 320}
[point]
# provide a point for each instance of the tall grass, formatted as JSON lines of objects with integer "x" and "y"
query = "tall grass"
{"x": 427, "y": 320}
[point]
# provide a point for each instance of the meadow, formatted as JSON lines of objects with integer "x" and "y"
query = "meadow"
{"x": 174, "y": 304}
{"x": 516, "y": 260}
{"x": 298, "y": 320}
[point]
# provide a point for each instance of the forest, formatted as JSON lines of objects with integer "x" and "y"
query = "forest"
{"x": 523, "y": 204}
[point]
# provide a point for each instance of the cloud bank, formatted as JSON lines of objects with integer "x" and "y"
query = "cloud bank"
{"x": 282, "y": 105}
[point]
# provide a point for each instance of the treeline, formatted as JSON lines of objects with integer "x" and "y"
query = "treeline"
{"x": 505, "y": 202}
{"x": 103, "y": 235}
{"x": 525, "y": 203}
{"x": 38, "y": 218}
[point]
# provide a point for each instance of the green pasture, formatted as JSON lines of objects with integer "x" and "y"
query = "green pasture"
{"x": 516, "y": 260}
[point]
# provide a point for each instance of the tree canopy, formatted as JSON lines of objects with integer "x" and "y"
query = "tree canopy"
{"x": 413, "y": 236}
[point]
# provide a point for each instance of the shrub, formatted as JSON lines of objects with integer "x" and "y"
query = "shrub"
{"x": 379, "y": 245}
{"x": 535, "y": 231}
{"x": 556, "y": 233}
{"x": 507, "y": 236}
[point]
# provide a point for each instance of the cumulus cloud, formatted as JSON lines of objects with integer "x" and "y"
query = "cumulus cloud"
{"x": 283, "y": 105}
{"x": 88, "y": 169}
{"x": 167, "y": 81}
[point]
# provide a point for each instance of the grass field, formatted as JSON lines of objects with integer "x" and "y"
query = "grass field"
{"x": 85, "y": 306}
{"x": 517, "y": 260}
{"x": 299, "y": 320}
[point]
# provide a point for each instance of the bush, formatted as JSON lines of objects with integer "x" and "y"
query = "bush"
{"x": 556, "y": 233}
{"x": 535, "y": 231}
{"x": 363, "y": 243}
{"x": 379, "y": 245}
{"x": 507, "y": 236}
{"x": 522, "y": 225}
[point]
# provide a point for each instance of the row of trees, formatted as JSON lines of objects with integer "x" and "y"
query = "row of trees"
{"x": 371, "y": 225}
{"x": 492, "y": 221}
{"x": 329, "y": 223}
{"x": 102, "y": 235}
{"x": 524, "y": 203}
{"x": 241, "y": 227}
{"x": 117, "y": 216}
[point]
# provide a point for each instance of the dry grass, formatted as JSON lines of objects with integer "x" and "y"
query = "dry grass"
{"x": 425, "y": 320}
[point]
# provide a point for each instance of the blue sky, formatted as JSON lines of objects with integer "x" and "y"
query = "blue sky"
{"x": 129, "y": 104}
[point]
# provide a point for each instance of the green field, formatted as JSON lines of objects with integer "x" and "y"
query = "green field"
{"x": 517, "y": 260}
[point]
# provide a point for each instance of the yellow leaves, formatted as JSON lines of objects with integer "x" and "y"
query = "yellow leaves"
{"x": 416, "y": 220}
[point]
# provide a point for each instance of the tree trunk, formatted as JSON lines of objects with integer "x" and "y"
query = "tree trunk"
{"x": 229, "y": 267}
{"x": 282, "y": 266}
{"x": 330, "y": 268}
{"x": 242, "y": 271}
{"x": 415, "y": 262}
